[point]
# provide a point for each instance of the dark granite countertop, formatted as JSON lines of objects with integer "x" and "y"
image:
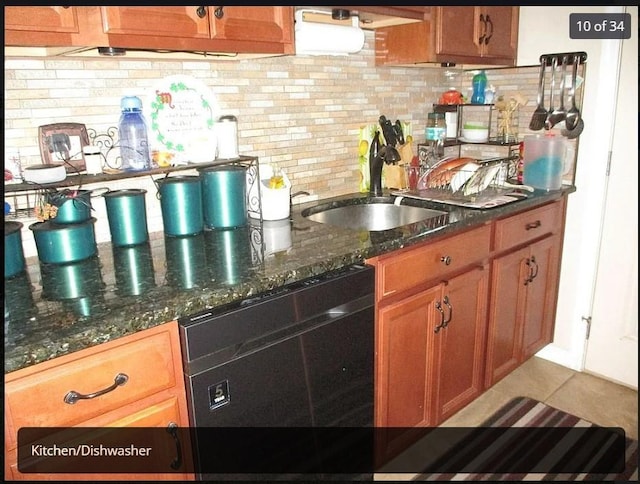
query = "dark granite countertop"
{"x": 53, "y": 310}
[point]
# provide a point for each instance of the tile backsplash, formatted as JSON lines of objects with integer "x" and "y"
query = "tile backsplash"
{"x": 302, "y": 112}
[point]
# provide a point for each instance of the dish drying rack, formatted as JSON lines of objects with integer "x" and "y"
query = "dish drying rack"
{"x": 481, "y": 184}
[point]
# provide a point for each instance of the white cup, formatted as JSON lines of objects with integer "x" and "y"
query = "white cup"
{"x": 92, "y": 159}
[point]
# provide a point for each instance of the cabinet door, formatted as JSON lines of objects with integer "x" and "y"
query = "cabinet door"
{"x": 458, "y": 31}
{"x": 507, "y": 306}
{"x": 40, "y": 26}
{"x": 501, "y": 32}
{"x": 175, "y": 22}
{"x": 260, "y": 24}
{"x": 459, "y": 356}
{"x": 487, "y": 35}
{"x": 539, "y": 318}
{"x": 404, "y": 342}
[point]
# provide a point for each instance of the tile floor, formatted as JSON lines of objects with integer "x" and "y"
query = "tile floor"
{"x": 592, "y": 398}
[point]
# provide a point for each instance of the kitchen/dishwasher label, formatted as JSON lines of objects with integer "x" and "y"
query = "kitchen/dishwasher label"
{"x": 218, "y": 395}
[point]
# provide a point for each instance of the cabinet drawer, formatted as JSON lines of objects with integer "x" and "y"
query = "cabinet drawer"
{"x": 432, "y": 261}
{"x": 36, "y": 398}
{"x": 525, "y": 227}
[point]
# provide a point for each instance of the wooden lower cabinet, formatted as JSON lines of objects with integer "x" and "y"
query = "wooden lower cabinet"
{"x": 153, "y": 395}
{"x": 430, "y": 336}
{"x": 523, "y": 305}
{"x": 456, "y": 315}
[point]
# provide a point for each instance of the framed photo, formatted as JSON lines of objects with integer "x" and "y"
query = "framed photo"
{"x": 62, "y": 143}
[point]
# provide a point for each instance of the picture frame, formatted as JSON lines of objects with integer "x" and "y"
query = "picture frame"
{"x": 62, "y": 143}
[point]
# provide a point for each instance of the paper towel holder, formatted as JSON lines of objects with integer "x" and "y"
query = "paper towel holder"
{"x": 326, "y": 36}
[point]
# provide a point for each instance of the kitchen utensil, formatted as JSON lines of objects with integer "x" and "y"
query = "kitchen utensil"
{"x": 577, "y": 131}
{"x": 573, "y": 114}
{"x": 559, "y": 114}
{"x": 397, "y": 128}
{"x": 463, "y": 175}
{"x": 481, "y": 179}
{"x": 387, "y": 131}
{"x": 62, "y": 243}
{"x": 13, "y": 252}
{"x": 127, "y": 215}
{"x": 540, "y": 114}
{"x": 552, "y": 95}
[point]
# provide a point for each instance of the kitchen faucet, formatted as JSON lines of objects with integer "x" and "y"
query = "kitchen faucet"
{"x": 377, "y": 156}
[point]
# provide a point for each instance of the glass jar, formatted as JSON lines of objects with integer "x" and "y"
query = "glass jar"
{"x": 435, "y": 133}
{"x": 507, "y": 120}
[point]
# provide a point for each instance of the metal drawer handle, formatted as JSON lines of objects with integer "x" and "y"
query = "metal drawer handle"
{"x": 73, "y": 396}
{"x": 441, "y": 325}
{"x": 448, "y": 320}
{"x": 177, "y": 462}
{"x": 446, "y": 259}
{"x": 533, "y": 225}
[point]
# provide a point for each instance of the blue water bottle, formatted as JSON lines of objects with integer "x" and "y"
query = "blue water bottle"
{"x": 134, "y": 144}
{"x": 479, "y": 83}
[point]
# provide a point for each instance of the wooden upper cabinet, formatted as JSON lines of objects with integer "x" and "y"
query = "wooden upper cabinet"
{"x": 476, "y": 32}
{"x": 247, "y": 30}
{"x": 266, "y": 30}
{"x": 43, "y": 26}
{"x": 461, "y": 35}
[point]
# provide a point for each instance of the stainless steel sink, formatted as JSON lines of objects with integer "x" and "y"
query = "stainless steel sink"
{"x": 373, "y": 215}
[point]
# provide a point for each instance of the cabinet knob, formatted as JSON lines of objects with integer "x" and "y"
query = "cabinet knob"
{"x": 218, "y": 12}
{"x": 201, "y": 12}
{"x": 446, "y": 259}
{"x": 533, "y": 225}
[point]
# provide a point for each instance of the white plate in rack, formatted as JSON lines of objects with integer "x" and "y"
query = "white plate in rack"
{"x": 181, "y": 113}
{"x": 465, "y": 140}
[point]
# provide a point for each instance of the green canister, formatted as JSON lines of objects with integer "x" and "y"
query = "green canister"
{"x": 127, "y": 214}
{"x": 181, "y": 205}
{"x": 13, "y": 252}
{"x": 224, "y": 196}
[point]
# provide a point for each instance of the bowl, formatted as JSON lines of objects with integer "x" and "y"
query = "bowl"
{"x": 475, "y": 133}
{"x": 44, "y": 173}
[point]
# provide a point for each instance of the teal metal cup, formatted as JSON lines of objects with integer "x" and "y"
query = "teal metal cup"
{"x": 127, "y": 214}
{"x": 181, "y": 205}
{"x": 224, "y": 196}
{"x": 13, "y": 252}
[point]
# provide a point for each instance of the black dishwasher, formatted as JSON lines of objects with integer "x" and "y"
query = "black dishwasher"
{"x": 300, "y": 356}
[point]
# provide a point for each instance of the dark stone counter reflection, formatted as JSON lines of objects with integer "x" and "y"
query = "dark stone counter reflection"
{"x": 52, "y": 310}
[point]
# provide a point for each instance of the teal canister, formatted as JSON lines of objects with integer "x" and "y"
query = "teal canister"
{"x": 181, "y": 205}
{"x": 13, "y": 252}
{"x": 224, "y": 196}
{"x": 127, "y": 215}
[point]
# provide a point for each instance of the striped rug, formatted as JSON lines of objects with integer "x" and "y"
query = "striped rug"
{"x": 529, "y": 413}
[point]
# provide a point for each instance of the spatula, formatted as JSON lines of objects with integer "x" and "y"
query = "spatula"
{"x": 540, "y": 114}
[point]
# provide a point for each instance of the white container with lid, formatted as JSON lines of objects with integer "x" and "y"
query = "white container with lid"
{"x": 227, "y": 134}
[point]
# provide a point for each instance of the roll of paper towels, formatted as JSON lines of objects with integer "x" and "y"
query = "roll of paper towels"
{"x": 318, "y": 38}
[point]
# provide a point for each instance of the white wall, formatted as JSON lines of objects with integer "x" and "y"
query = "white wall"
{"x": 545, "y": 30}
